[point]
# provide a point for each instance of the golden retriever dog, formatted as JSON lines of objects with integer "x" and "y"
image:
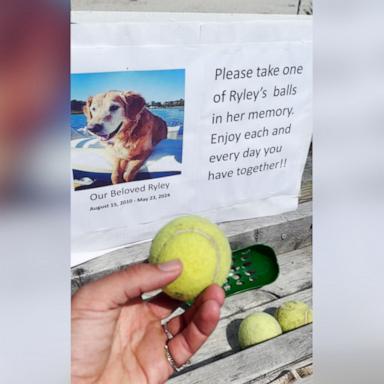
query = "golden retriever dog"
{"x": 127, "y": 128}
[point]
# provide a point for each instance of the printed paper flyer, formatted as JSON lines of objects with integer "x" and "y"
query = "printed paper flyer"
{"x": 213, "y": 120}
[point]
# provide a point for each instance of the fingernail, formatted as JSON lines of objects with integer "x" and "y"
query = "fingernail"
{"x": 173, "y": 265}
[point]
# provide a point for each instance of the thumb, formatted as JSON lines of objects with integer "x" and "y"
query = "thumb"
{"x": 116, "y": 289}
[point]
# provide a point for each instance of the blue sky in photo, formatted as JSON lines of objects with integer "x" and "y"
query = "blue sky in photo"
{"x": 159, "y": 85}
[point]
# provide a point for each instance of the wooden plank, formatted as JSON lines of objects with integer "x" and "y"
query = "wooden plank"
{"x": 307, "y": 173}
{"x": 295, "y": 277}
{"x": 305, "y": 7}
{"x": 285, "y": 232}
{"x": 284, "y": 375}
{"x": 254, "y": 362}
{"x": 306, "y": 380}
{"x": 306, "y": 182}
{"x": 219, "y": 6}
{"x": 306, "y": 192}
{"x": 305, "y": 370}
{"x": 224, "y": 341}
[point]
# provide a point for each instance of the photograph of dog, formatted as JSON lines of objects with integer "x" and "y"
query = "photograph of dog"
{"x": 127, "y": 128}
{"x": 130, "y": 134}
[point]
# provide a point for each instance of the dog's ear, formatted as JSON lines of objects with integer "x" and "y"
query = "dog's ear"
{"x": 87, "y": 108}
{"x": 134, "y": 104}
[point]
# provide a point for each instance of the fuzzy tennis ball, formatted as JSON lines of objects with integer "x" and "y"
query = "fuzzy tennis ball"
{"x": 258, "y": 327}
{"x": 293, "y": 314}
{"x": 201, "y": 247}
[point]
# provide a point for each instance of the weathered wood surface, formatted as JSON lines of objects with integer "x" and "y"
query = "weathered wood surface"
{"x": 219, "y": 6}
{"x": 286, "y": 232}
{"x": 224, "y": 340}
{"x": 246, "y": 365}
{"x": 286, "y": 375}
{"x": 305, "y": 7}
{"x": 294, "y": 283}
{"x": 306, "y": 380}
{"x": 306, "y": 192}
{"x": 306, "y": 181}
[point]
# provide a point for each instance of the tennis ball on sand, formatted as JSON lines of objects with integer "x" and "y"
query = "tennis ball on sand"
{"x": 293, "y": 314}
{"x": 201, "y": 247}
{"x": 258, "y": 327}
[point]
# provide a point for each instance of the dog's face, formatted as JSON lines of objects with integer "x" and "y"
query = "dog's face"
{"x": 107, "y": 113}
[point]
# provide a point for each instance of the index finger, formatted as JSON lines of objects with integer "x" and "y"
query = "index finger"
{"x": 194, "y": 335}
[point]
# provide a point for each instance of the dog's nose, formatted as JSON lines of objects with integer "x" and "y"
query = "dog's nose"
{"x": 95, "y": 128}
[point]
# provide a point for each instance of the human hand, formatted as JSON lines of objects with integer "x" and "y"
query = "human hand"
{"x": 117, "y": 337}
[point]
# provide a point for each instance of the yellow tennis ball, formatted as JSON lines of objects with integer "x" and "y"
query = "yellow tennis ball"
{"x": 258, "y": 327}
{"x": 201, "y": 247}
{"x": 293, "y": 314}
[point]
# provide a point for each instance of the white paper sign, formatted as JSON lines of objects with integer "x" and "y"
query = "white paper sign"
{"x": 235, "y": 100}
